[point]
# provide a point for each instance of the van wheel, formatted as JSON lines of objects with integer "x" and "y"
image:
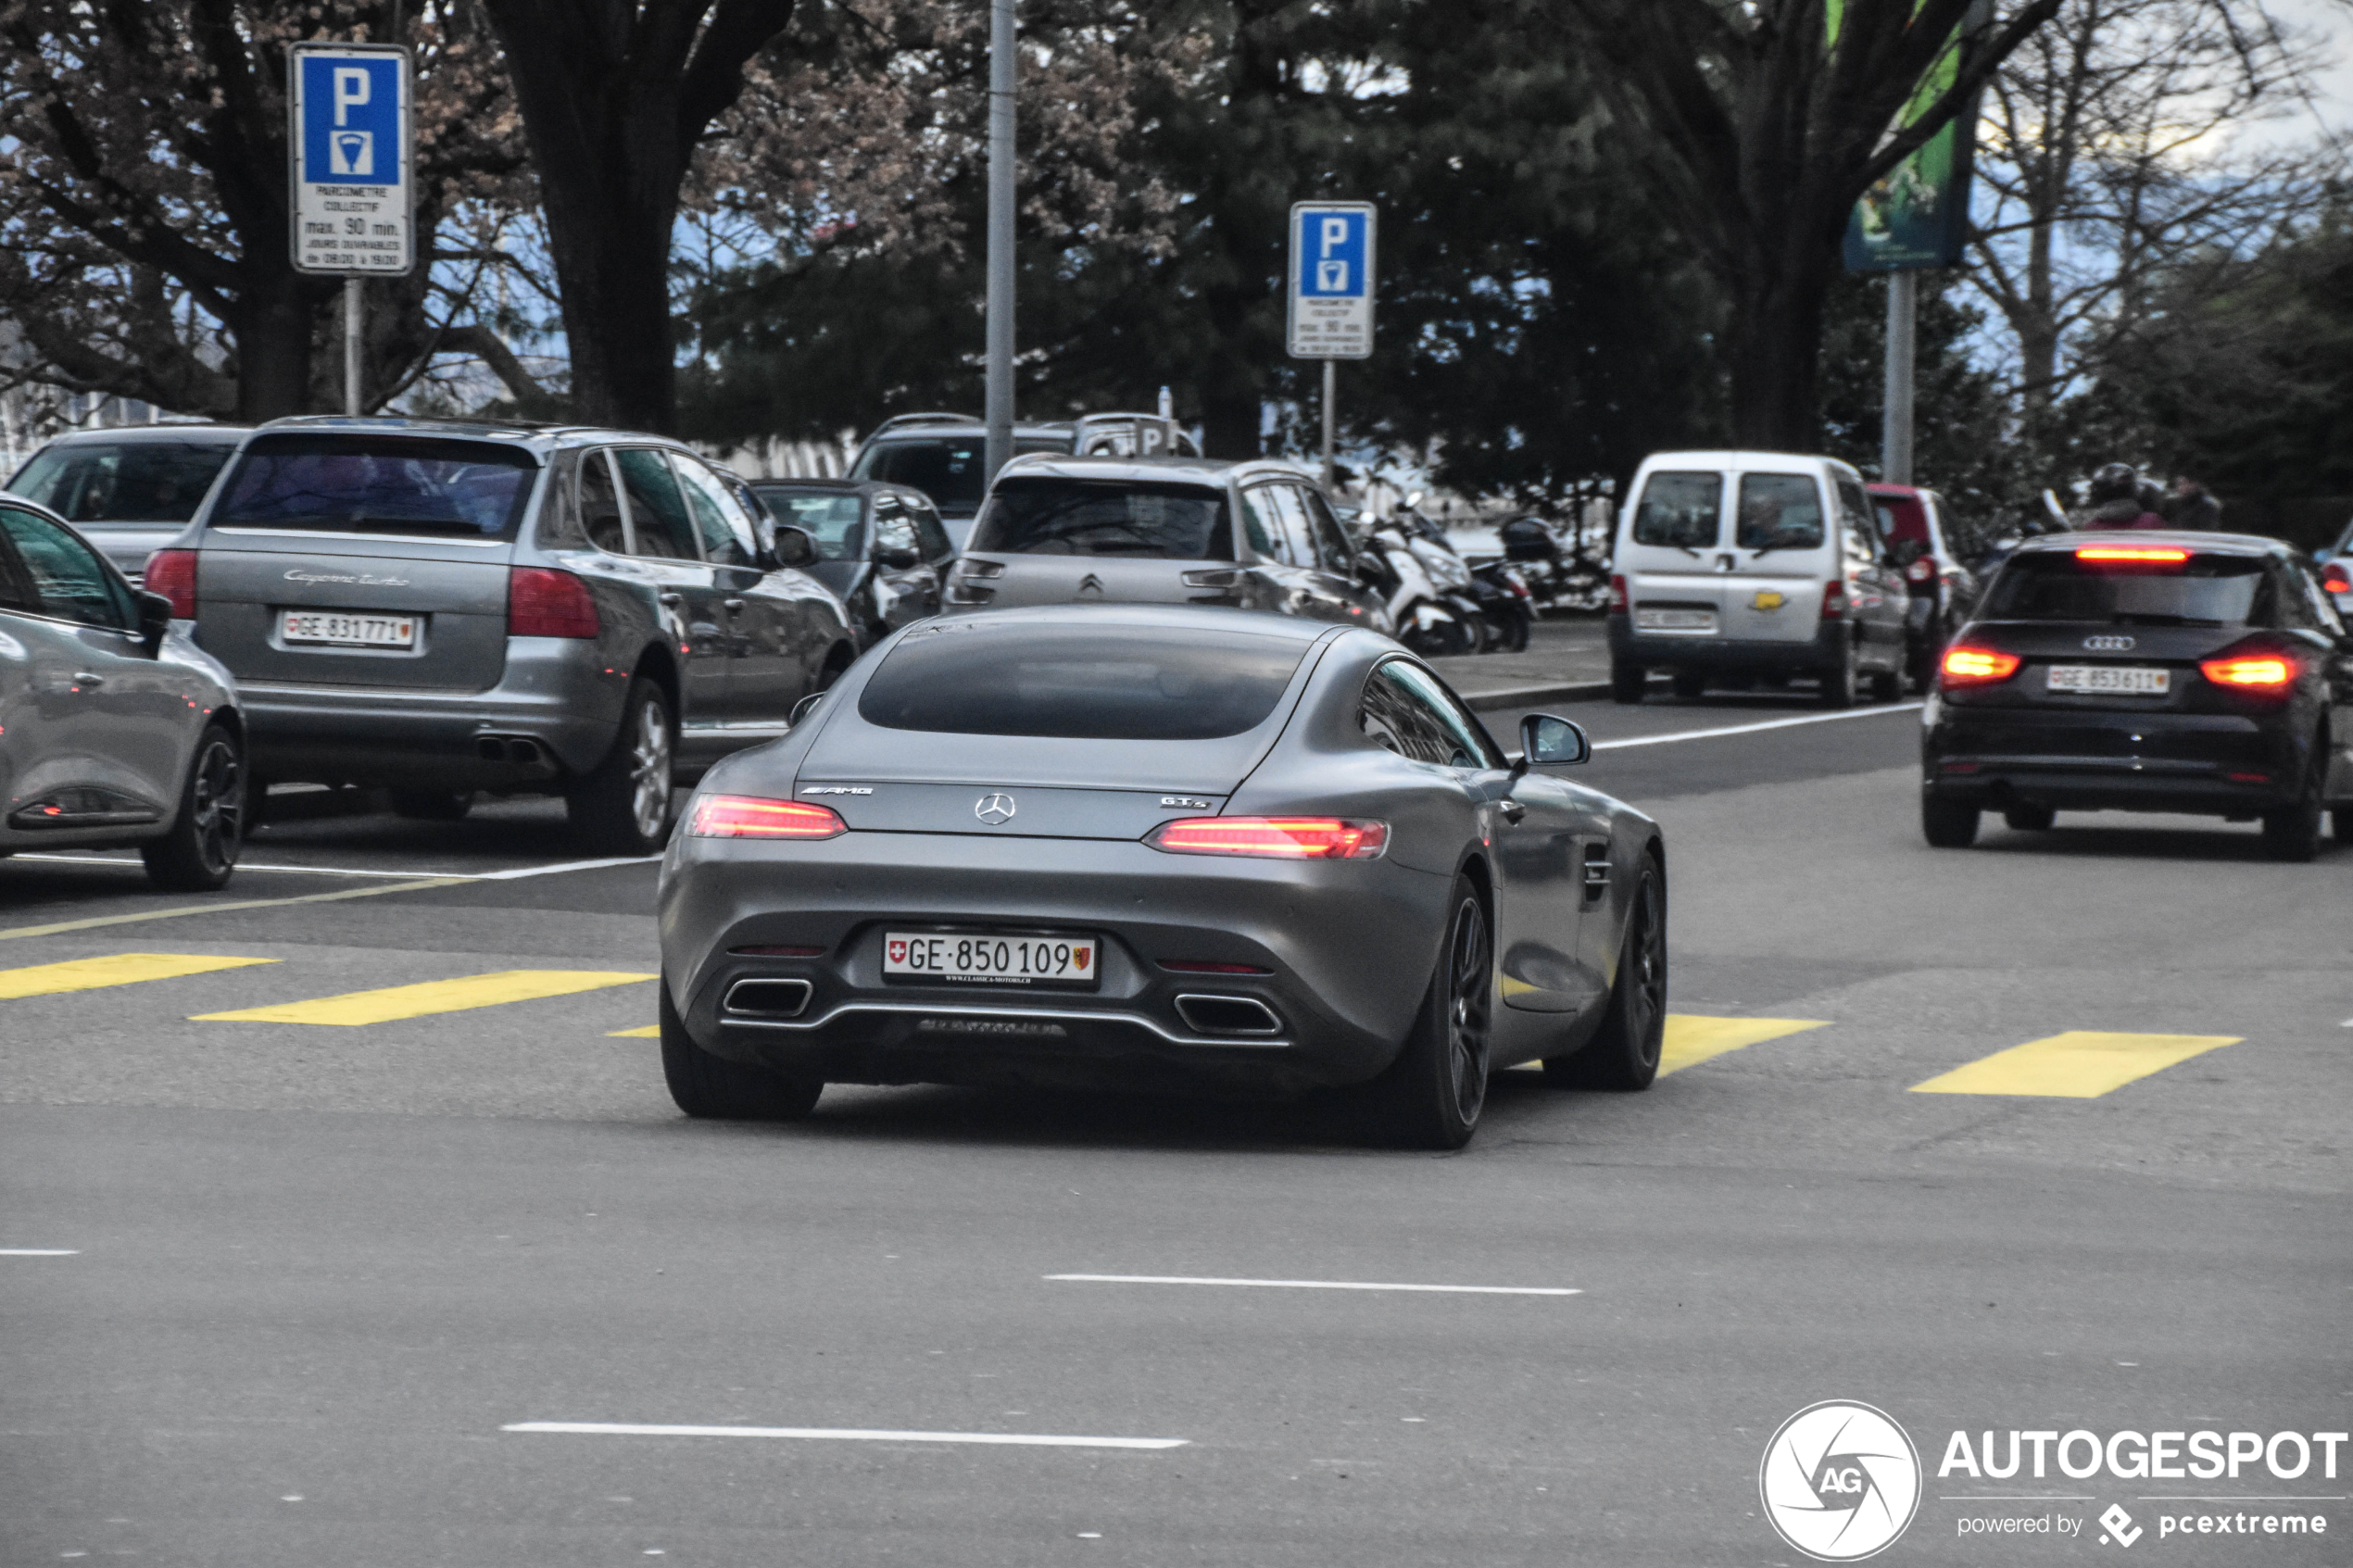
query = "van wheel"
{"x": 1947, "y": 825}
{"x": 1627, "y": 683}
{"x": 711, "y": 1087}
{"x": 622, "y": 806}
{"x": 1689, "y": 684}
{"x": 1624, "y": 1053}
{"x": 1840, "y": 680}
{"x": 1887, "y": 685}
{"x": 199, "y": 854}
{"x": 433, "y": 805}
{"x": 2341, "y": 824}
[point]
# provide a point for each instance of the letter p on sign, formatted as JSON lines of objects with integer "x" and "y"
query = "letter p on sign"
{"x": 351, "y": 91}
{"x": 1335, "y": 235}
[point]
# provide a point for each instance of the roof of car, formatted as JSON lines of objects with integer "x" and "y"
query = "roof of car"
{"x": 2168, "y": 538}
{"x": 538, "y": 436}
{"x": 1728, "y": 457}
{"x": 1149, "y": 470}
{"x": 1214, "y": 619}
{"x": 228, "y": 434}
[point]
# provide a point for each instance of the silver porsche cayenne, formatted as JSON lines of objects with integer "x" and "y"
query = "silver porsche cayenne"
{"x": 1157, "y": 846}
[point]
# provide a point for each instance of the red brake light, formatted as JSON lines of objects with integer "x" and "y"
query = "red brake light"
{"x": 172, "y": 573}
{"x": 2131, "y": 554}
{"x": 2337, "y": 579}
{"x": 543, "y": 602}
{"x": 748, "y": 816}
{"x": 1967, "y": 666}
{"x": 1617, "y": 596}
{"x": 1834, "y": 599}
{"x": 1920, "y": 571}
{"x": 1287, "y": 838}
{"x": 2250, "y": 671}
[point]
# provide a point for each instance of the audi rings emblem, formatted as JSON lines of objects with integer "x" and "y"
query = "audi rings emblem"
{"x": 2108, "y": 644}
{"x": 994, "y": 808}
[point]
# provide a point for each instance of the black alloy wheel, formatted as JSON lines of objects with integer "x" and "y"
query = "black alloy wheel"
{"x": 1624, "y": 1053}
{"x": 713, "y": 1088}
{"x": 2292, "y": 833}
{"x": 199, "y": 854}
{"x": 622, "y": 806}
{"x": 1432, "y": 1094}
{"x": 1947, "y": 825}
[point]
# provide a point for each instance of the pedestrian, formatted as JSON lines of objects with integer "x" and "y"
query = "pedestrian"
{"x": 2192, "y": 505}
{"x": 2117, "y": 502}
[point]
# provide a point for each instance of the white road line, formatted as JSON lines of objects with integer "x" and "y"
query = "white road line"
{"x": 568, "y": 866}
{"x": 40, "y": 1252}
{"x": 1766, "y": 724}
{"x": 844, "y": 1433}
{"x": 1322, "y": 1284}
{"x": 356, "y": 871}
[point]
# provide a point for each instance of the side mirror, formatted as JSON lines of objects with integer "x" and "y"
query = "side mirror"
{"x": 1547, "y": 742}
{"x": 794, "y": 546}
{"x": 1370, "y": 568}
{"x": 154, "y": 620}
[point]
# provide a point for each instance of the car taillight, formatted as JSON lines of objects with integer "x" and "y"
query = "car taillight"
{"x": 1921, "y": 571}
{"x": 543, "y": 602}
{"x": 2250, "y": 671}
{"x": 172, "y": 573}
{"x": 1285, "y": 838}
{"x": 749, "y": 816}
{"x": 1967, "y": 666}
{"x": 1617, "y": 596}
{"x": 1834, "y": 599}
{"x": 2337, "y": 579}
{"x": 2128, "y": 556}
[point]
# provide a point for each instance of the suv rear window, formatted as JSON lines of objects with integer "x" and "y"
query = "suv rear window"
{"x": 123, "y": 482}
{"x": 949, "y": 471}
{"x": 2206, "y": 590}
{"x": 1679, "y": 509}
{"x": 980, "y": 677}
{"x": 378, "y": 484}
{"x": 1105, "y": 517}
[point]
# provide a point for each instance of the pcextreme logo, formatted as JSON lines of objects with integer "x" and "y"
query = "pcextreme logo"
{"x": 1841, "y": 1481}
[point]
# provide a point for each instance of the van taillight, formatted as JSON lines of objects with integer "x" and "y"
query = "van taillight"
{"x": 1617, "y": 596}
{"x": 172, "y": 573}
{"x": 543, "y": 602}
{"x": 1834, "y": 599}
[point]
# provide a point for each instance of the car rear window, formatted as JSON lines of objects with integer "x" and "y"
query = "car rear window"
{"x": 378, "y": 484}
{"x": 949, "y": 469}
{"x": 125, "y": 482}
{"x": 1779, "y": 511}
{"x": 2205, "y": 590}
{"x": 828, "y": 516}
{"x": 1679, "y": 509}
{"x": 1105, "y": 517}
{"x": 986, "y": 676}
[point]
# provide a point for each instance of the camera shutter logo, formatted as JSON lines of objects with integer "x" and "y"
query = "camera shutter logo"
{"x": 1841, "y": 1481}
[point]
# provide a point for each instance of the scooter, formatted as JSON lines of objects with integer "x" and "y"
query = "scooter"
{"x": 1429, "y": 594}
{"x": 1506, "y": 602}
{"x": 1557, "y": 579}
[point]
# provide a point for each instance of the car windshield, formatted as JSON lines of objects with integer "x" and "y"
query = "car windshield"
{"x": 985, "y": 676}
{"x": 1105, "y": 517}
{"x": 123, "y": 482}
{"x": 830, "y": 517}
{"x": 378, "y": 484}
{"x": 947, "y": 468}
{"x": 2206, "y": 590}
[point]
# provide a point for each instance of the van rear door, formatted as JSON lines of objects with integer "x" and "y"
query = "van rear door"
{"x": 1672, "y": 557}
{"x": 1784, "y": 554}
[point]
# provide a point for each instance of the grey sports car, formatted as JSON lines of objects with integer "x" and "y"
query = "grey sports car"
{"x": 1131, "y": 845}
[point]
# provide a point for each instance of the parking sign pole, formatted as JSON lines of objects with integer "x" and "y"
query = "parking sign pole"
{"x": 1328, "y": 378}
{"x": 352, "y": 321}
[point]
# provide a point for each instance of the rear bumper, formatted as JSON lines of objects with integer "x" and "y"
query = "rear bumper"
{"x": 1350, "y": 948}
{"x": 2077, "y": 760}
{"x": 1797, "y": 656}
{"x": 554, "y": 713}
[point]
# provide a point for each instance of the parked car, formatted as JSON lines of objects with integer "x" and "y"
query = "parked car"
{"x": 2336, "y": 561}
{"x": 1253, "y": 535}
{"x": 1737, "y": 566}
{"x": 1914, "y": 525}
{"x": 132, "y": 489}
{"x": 446, "y": 606}
{"x": 944, "y": 456}
{"x": 2146, "y": 671}
{"x": 880, "y": 547}
{"x": 118, "y": 731}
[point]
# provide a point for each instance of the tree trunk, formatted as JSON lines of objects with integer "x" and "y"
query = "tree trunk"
{"x": 272, "y": 326}
{"x": 609, "y": 230}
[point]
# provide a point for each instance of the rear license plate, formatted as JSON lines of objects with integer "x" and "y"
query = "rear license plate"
{"x": 963, "y": 959}
{"x": 2109, "y": 680}
{"x": 345, "y": 629}
{"x": 1675, "y": 619}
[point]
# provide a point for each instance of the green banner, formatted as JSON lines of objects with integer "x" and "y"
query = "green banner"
{"x": 1916, "y": 215}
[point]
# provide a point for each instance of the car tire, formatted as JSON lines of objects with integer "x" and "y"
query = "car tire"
{"x": 622, "y": 806}
{"x": 1627, "y": 684}
{"x": 2341, "y": 824}
{"x": 433, "y": 805}
{"x": 2292, "y": 833}
{"x": 1887, "y": 685}
{"x": 1947, "y": 825}
{"x": 199, "y": 855}
{"x": 2030, "y": 819}
{"x": 1840, "y": 680}
{"x": 1624, "y": 1053}
{"x": 711, "y": 1088}
{"x": 1432, "y": 1094}
{"x": 1689, "y": 684}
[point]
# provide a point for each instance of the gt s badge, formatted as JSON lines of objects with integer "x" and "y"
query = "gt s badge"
{"x": 1768, "y": 599}
{"x": 1185, "y": 800}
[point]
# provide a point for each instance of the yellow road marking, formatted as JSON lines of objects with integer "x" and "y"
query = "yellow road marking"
{"x": 59, "y": 928}
{"x": 1691, "y": 1039}
{"x": 119, "y": 969}
{"x": 2080, "y": 1064}
{"x": 651, "y": 1031}
{"x": 432, "y": 996}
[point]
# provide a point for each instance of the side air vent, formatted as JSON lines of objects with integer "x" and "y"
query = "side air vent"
{"x": 1228, "y": 1015}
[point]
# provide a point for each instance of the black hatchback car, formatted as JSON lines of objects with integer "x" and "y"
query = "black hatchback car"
{"x": 2148, "y": 671}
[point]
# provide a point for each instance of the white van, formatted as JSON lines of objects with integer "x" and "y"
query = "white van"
{"x": 1732, "y": 567}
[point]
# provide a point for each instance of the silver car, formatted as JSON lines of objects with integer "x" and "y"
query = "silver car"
{"x": 113, "y": 728}
{"x": 1149, "y": 845}
{"x": 1176, "y": 530}
{"x": 942, "y": 454}
{"x": 445, "y": 607}
{"x": 129, "y": 490}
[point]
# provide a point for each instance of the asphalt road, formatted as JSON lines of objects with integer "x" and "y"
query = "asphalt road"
{"x": 280, "y": 1291}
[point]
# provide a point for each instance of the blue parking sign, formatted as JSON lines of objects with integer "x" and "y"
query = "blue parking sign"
{"x": 1331, "y": 259}
{"x": 1331, "y": 279}
{"x": 350, "y": 142}
{"x": 351, "y": 118}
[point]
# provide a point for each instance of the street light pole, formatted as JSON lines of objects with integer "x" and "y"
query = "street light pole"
{"x": 998, "y": 411}
{"x": 1895, "y": 407}
{"x": 353, "y": 317}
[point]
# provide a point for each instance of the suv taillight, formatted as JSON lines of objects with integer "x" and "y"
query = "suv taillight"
{"x": 172, "y": 573}
{"x": 1966, "y": 665}
{"x": 543, "y": 602}
{"x": 2256, "y": 669}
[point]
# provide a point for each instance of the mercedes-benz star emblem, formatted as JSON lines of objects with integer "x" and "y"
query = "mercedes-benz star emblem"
{"x": 994, "y": 808}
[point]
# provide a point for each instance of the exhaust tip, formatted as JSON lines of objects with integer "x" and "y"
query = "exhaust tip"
{"x": 767, "y": 998}
{"x": 1228, "y": 1015}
